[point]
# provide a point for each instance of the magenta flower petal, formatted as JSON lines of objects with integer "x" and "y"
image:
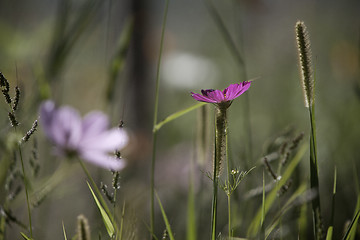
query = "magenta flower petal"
{"x": 202, "y": 98}
{"x": 218, "y": 97}
{"x": 103, "y": 160}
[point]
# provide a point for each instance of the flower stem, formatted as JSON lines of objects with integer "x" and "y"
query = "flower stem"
{"x": 229, "y": 214}
{"x": 220, "y": 152}
{"x": 26, "y": 191}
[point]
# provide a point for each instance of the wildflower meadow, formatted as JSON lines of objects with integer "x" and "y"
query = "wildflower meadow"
{"x": 186, "y": 120}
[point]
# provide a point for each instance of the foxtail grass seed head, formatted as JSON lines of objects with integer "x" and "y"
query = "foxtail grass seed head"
{"x": 5, "y": 88}
{"x": 303, "y": 44}
{"x": 83, "y": 228}
{"x": 108, "y": 195}
{"x": 30, "y": 132}
{"x": 13, "y": 121}
{"x": 16, "y": 99}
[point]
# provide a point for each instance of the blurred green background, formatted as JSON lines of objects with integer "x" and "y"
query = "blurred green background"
{"x": 103, "y": 55}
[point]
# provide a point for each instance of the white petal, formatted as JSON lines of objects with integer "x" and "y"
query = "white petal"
{"x": 94, "y": 123}
{"x": 103, "y": 160}
{"x": 66, "y": 127}
{"x": 47, "y": 110}
{"x": 111, "y": 140}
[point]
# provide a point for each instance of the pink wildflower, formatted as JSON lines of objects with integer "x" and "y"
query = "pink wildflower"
{"x": 218, "y": 96}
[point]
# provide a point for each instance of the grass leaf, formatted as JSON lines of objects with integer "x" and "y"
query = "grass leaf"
{"x": 118, "y": 62}
{"x": 167, "y": 224}
{"x": 288, "y": 205}
{"x": 25, "y": 237}
{"x": 271, "y": 197}
{"x": 108, "y": 224}
{"x": 176, "y": 115}
{"x": 351, "y": 231}
{"x": 191, "y": 218}
{"x": 329, "y": 233}
{"x": 64, "y": 231}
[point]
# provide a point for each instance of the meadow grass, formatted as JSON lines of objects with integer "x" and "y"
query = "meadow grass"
{"x": 274, "y": 193}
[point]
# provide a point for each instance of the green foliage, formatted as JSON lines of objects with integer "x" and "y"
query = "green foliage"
{"x": 167, "y": 224}
{"x": 271, "y": 197}
{"x": 107, "y": 221}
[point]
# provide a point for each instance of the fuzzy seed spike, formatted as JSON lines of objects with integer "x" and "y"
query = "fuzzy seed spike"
{"x": 307, "y": 80}
{"x": 83, "y": 230}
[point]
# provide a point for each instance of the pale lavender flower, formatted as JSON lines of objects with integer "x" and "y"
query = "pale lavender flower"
{"x": 225, "y": 96}
{"x": 88, "y": 138}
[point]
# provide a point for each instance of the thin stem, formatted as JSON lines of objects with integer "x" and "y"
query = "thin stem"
{"x": 229, "y": 213}
{"x": 26, "y": 191}
{"x": 152, "y": 186}
{"x": 314, "y": 178}
{"x": 157, "y": 84}
{"x": 214, "y": 207}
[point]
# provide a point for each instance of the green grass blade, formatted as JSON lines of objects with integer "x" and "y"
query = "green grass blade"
{"x": 25, "y": 237}
{"x": 167, "y": 224}
{"x": 108, "y": 224}
{"x": 156, "y": 106}
{"x": 120, "y": 235}
{"x": 289, "y": 203}
{"x": 351, "y": 231}
{"x": 314, "y": 177}
{"x": 176, "y": 115}
{"x": 262, "y": 235}
{"x": 64, "y": 231}
{"x": 191, "y": 217}
{"x": 271, "y": 197}
{"x": 331, "y": 227}
{"x": 118, "y": 62}
{"x": 329, "y": 233}
{"x": 225, "y": 33}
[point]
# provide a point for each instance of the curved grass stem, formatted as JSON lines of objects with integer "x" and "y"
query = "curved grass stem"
{"x": 26, "y": 192}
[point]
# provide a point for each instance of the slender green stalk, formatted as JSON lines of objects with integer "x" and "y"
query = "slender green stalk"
{"x": 220, "y": 154}
{"x": 26, "y": 191}
{"x": 229, "y": 215}
{"x": 314, "y": 178}
{"x": 120, "y": 235}
{"x": 157, "y": 85}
